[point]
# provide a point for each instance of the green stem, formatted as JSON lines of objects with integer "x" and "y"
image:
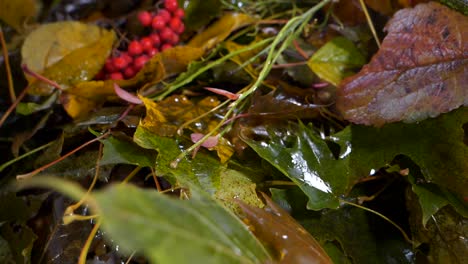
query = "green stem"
{"x": 8, "y": 163}
{"x": 405, "y": 236}
{"x": 190, "y": 78}
{"x": 287, "y": 34}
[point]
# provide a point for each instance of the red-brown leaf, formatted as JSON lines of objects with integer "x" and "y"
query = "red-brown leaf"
{"x": 419, "y": 72}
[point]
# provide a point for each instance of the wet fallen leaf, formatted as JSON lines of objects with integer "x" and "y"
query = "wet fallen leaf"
{"x": 301, "y": 155}
{"x": 220, "y": 30}
{"x": 18, "y": 13}
{"x": 336, "y": 60}
{"x": 413, "y": 76}
{"x": 286, "y": 102}
{"x": 200, "y": 13}
{"x": 69, "y": 64}
{"x": 290, "y": 241}
{"x": 165, "y": 117}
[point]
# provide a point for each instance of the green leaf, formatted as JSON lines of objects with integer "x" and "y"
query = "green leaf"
{"x": 200, "y": 13}
{"x": 167, "y": 230}
{"x": 235, "y": 185}
{"x": 203, "y": 170}
{"x": 31, "y": 107}
{"x": 435, "y": 145}
{"x": 334, "y": 60}
{"x": 303, "y": 157}
{"x": 120, "y": 150}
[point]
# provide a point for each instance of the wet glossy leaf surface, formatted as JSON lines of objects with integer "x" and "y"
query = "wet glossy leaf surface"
{"x": 302, "y": 156}
{"x": 291, "y": 242}
{"x": 413, "y": 76}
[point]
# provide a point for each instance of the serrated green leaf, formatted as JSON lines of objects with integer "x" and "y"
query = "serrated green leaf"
{"x": 334, "y": 60}
{"x": 306, "y": 159}
{"x": 167, "y": 230}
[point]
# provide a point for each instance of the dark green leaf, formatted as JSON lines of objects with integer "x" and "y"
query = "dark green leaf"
{"x": 121, "y": 150}
{"x": 200, "y": 13}
{"x": 435, "y": 145}
{"x": 306, "y": 159}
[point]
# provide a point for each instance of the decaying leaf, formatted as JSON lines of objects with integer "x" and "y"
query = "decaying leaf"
{"x": 276, "y": 228}
{"x": 164, "y": 118}
{"x": 419, "y": 72}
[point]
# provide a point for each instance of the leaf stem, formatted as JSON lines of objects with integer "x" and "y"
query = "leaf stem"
{"x": 191, "y": 77}
{"x": 38, "y": 170}
{"x": 405, "y": 236}
{"x": 8, "y": 163}
{"x": 369, "y": 22}
{"x": 11, "y": 88}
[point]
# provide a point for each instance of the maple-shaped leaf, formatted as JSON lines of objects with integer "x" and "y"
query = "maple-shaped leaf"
{"x": 419, "y": 71}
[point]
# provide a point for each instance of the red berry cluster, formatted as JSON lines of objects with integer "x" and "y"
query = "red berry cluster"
{"x": 166, "y": 26}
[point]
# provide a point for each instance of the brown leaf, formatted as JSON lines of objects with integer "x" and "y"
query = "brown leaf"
{"x": 165, "y": 117}
{"x": 419, "y": 72}
{"x": 275, "y": 227}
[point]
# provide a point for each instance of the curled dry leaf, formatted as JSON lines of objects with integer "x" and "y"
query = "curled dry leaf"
{"x": 419, "y": 72}
{"x": 275, "y": 227}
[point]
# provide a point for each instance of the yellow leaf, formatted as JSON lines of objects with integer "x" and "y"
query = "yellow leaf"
{"x": 220, "y": 30}
{"x": 76, "y": 65}
{"x": 17, "y": 13}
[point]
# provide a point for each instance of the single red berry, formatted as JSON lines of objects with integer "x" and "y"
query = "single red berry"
{"x": 129, "y": 72}
{"x": 166, "y": 34}
{"x": 171, "y": 5}
{"x": 166, "y": 46}
{"x": 140, "y": 62}
{"x": 109, "y": 66}
{"x": 126, "y": 57}
{"x": 152, "y": 52}
{"x": 116, "y": 76}
{"x": 175, "y": 23}
{"x": 166, "y": 16}
{"x": 146, "y": 43}
{"x": 135, "y": 48}
{"x": 181, "y": 29}
{"x": 156, "y": 39}
{"x": 180, "y": 13}
{"x": 119, "y": 63}
{"x": 158, "y": 23}
{"x": 145, "y": 18}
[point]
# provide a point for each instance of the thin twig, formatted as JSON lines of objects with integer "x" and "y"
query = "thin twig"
{"x": 369, "y": 22}
{"x": 13, "y": 106}
{"x": 36, "y": 171}
{"x": 11, "y": 88}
